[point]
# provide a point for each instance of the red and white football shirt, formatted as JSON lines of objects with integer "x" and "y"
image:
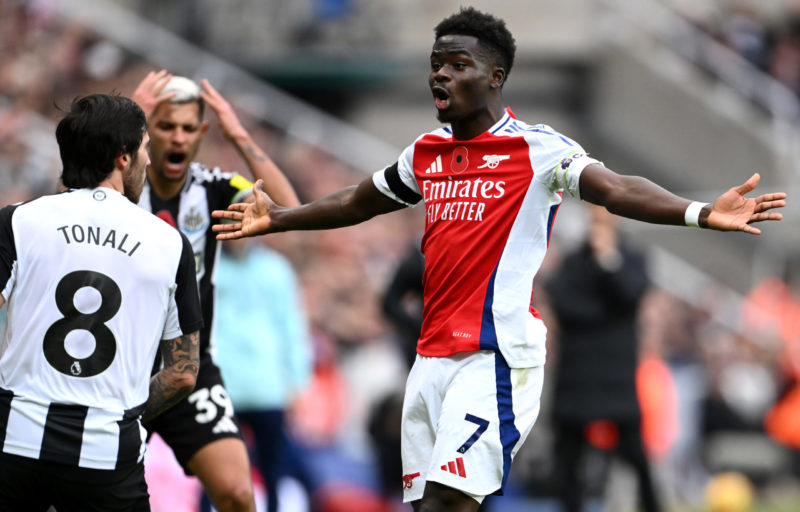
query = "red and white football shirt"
{"x": 490, "y": 204}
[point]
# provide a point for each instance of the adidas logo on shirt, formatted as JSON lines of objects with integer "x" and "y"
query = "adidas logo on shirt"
{"x": 435, "y": 167}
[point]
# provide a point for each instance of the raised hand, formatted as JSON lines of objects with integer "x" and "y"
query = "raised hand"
{"x": 260, "y": 164}
{"x": 733, "y": 212}
{"x": 148, "y": 93}
{"x": 249, "y": 219}
{"x": 228, "y": 121}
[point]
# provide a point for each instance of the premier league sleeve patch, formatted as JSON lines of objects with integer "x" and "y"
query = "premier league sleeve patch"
{"x": 569, "y": 171}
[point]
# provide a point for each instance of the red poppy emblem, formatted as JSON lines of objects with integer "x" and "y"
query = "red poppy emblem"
{"x": 460, "y": 160}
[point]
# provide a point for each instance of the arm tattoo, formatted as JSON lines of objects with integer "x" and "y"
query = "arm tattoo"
{"x": 257, "y": 155}
{"x": 176, "y": 380}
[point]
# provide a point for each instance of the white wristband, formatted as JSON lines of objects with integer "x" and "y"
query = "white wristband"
{"x": 692, "y": 215}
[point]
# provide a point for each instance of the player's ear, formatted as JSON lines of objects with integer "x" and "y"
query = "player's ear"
{"x": 122, "y": 161}
{"x": 204, "y": 127}
{"x": 498, "y": 78}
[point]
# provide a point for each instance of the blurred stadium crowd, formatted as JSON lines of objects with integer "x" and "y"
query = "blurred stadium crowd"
{"x": 769, "y": 39}
{"x": 729, "y": 402}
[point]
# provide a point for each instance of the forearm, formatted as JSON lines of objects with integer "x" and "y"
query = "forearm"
{"x": 261, "y": 165}
{"x": 167, "y": 388}
{"x": 638, "y": 198}
{"x": 346, "y": 207}
{"x": 177, "y": 379}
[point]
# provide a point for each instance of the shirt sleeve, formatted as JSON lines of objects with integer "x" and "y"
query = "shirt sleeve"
{"x": 397, "y": 181}
{"x": 184, "y": 314}
{"x": 8, "y": 251}
{"x": 558, "y": 160}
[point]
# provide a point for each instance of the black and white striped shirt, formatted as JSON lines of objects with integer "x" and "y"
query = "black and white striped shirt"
{"x": 206, "y": 189}
{"x": 92, "y": 284}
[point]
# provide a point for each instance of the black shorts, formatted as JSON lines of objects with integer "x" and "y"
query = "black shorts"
{"x": 201, "y": 418}
{"x": 30, "y": 485}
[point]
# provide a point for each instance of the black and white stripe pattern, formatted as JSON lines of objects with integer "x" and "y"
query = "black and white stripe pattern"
{"x": 206, "y": 189}
{"x": 69, "y": 434}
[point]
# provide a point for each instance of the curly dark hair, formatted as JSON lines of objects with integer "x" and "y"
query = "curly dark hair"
{"x": 490, "y": 31}
{"x": 97, "y": 129}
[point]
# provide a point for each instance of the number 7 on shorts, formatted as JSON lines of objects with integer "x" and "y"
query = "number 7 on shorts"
{"x": 482, "y": 426}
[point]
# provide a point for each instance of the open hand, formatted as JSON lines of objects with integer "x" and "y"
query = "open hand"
{"x": 228, "y": 122}
{"x": 733, "y": 212}
{"x": 148, "y": 93}
{"x": 249, "y": 219}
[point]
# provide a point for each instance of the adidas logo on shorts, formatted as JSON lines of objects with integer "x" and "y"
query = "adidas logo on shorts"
{"x": 456, "y": 467}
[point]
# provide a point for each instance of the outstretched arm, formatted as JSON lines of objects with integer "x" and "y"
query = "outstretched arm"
{"x": 261, "y": 165}
{"x": 348, "y": 206}
{"x": 641, "y": 199}
{"x": 177, "y": 379}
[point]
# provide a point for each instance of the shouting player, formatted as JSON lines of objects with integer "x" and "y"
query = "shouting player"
{"x": 201, "y": 429}
{"x": 95, "y": 287}
{"x": 491, "y": 185}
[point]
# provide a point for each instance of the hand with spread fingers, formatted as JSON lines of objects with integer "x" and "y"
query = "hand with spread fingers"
{"x": 148, "y": 93}
{"x": 259, "y": 162}
{"x": 733, "y": 212}
{"x": 249, "y": 219}
{"x": 228, "y": 121}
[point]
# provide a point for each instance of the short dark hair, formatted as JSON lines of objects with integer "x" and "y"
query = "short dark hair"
{"x": 490, "y": 31}
{"x": 201, "y": 105}
{"x": 96, "y": 130}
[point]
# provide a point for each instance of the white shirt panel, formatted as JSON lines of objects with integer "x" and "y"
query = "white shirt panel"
{"x": 521, "y": 336}
{"x": 26, "y": 424}
{"x": 100, "y": 439}
{"x": 193, "y": 221}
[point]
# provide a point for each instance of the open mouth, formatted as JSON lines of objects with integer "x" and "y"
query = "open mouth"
{"x": 175, "y": 160}
{"x": 441, "y": 97}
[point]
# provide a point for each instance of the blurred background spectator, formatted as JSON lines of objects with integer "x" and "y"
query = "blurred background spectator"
{"x": 334, "y": 89}
{"x": 263, "y": 350}
{"x": 595, "y": 295}
{"x": 402, "y": 301}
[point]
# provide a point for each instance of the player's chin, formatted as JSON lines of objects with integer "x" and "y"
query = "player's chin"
{"x": 445, "y": 110}
{"x": 444, "y": 115}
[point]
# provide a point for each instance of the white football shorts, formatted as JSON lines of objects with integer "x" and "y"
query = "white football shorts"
{"x": 464, "y": 418}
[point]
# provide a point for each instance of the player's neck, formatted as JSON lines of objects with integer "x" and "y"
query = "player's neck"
{"x": 163, "y": 188}
{"x": 113, "y": 181}
{"x": 474, "y": 125}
